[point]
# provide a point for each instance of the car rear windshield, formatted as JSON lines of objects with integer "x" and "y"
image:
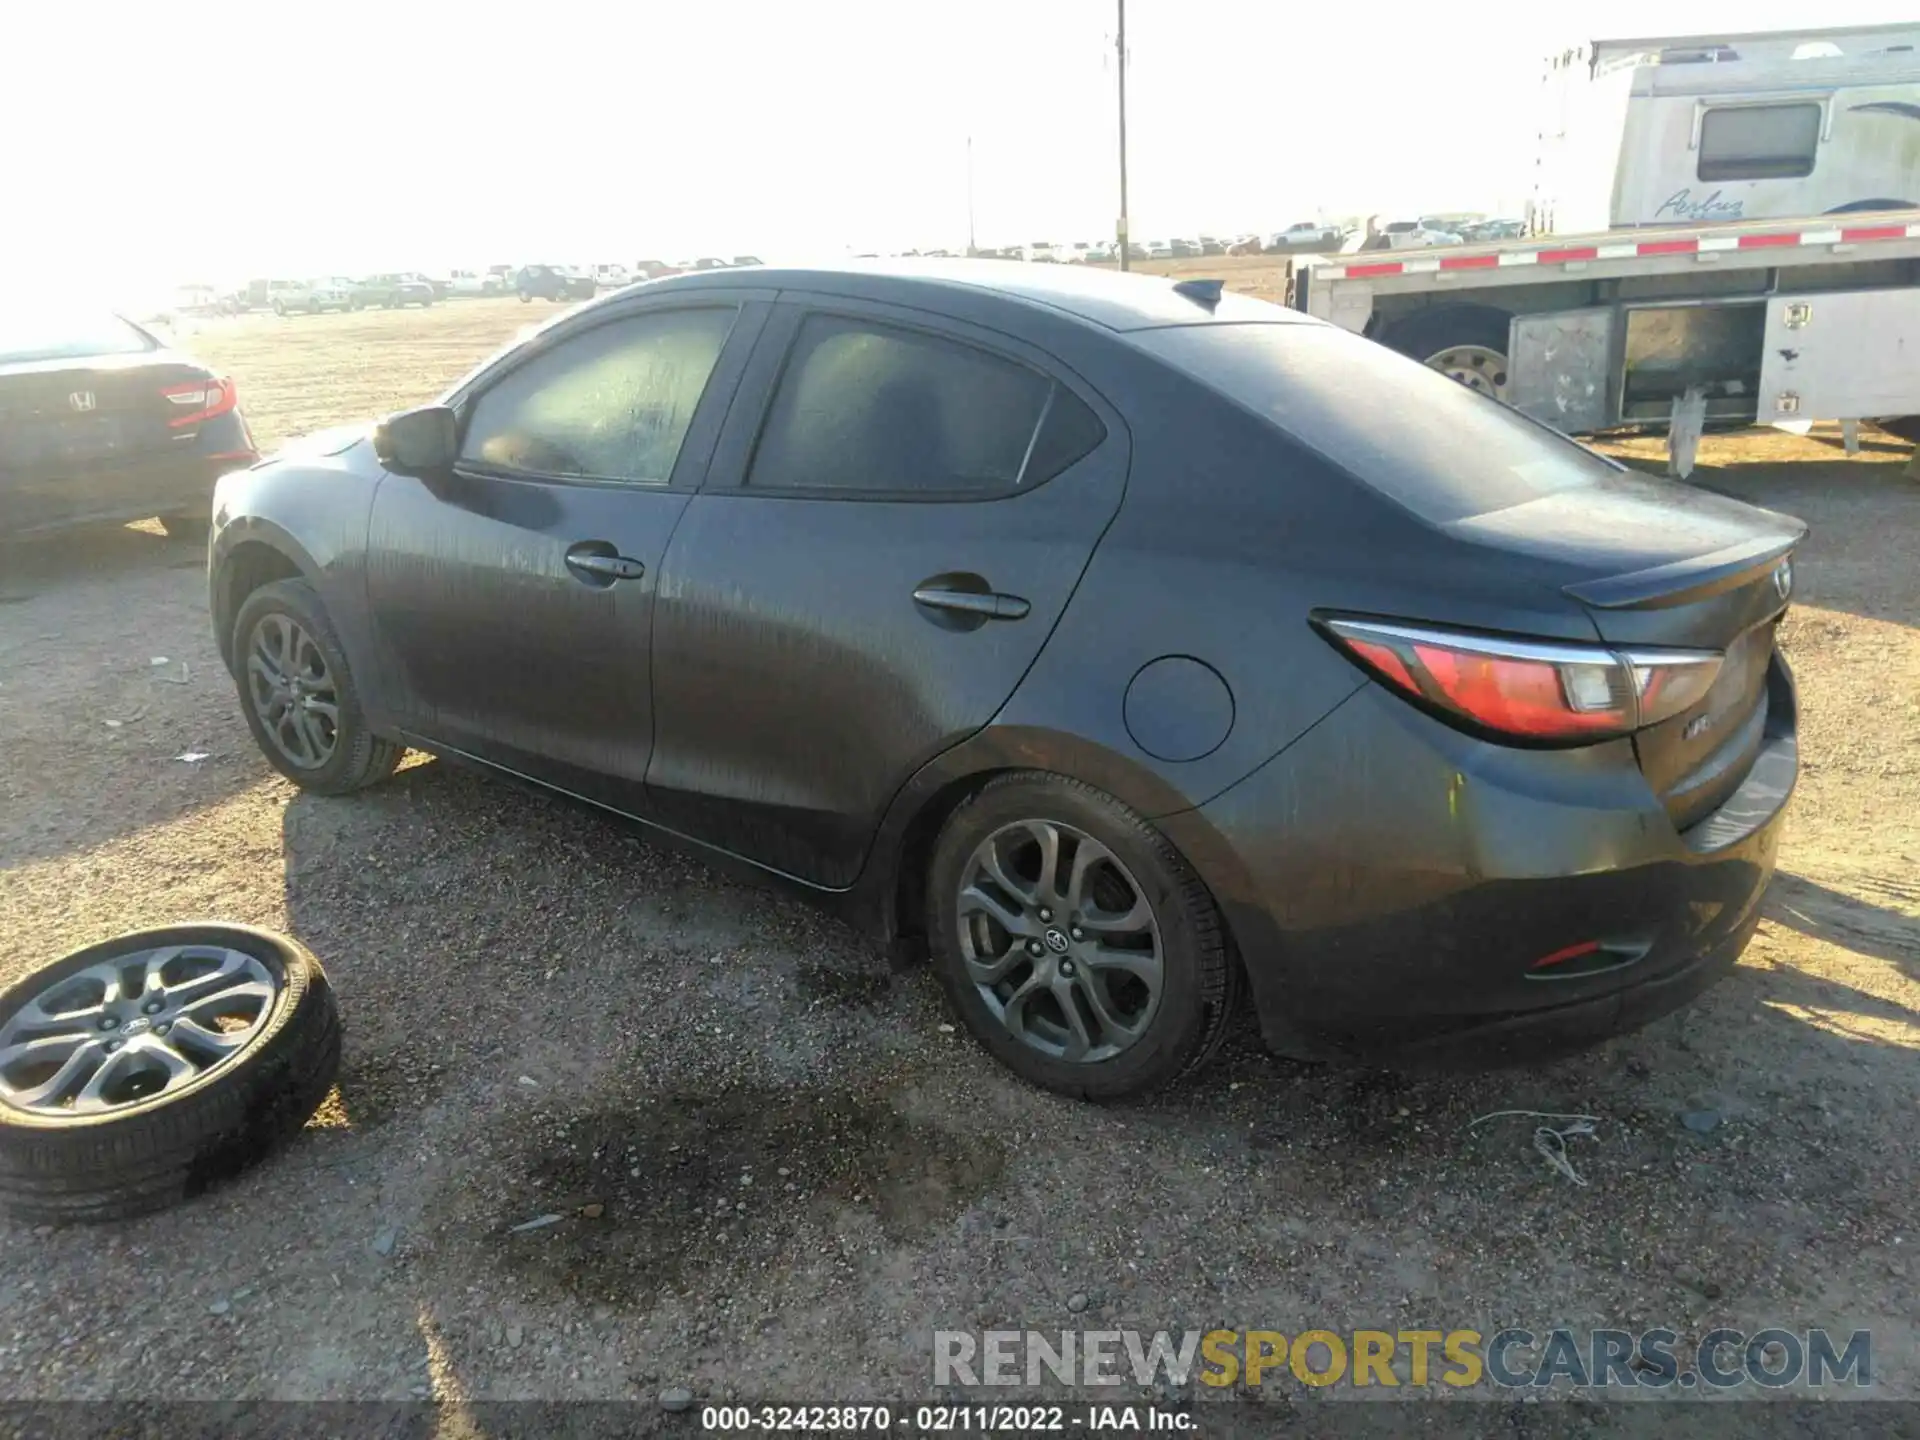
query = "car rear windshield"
{"x": 26, "y": 336}
{"x": 1443, "y": 451}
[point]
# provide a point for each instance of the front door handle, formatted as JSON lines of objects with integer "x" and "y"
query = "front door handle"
{"x": 596, "y": 568}
{"x": 987, "y": 606}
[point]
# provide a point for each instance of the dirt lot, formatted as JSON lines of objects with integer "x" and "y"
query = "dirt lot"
{"x": 803, "y": 1170}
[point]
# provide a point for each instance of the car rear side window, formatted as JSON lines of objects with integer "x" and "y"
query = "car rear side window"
{"x": 611, "y": 403}
{"x": 1443, "y": 451}
{"x": 877, "y": 409}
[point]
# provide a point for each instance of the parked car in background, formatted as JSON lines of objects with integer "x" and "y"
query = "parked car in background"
{"x": 1157, "y": 250}
{"x": 1209, "y": 245}
{"x": 1246, "y": 245}
{"x": 1307, "y": 235}
{"x": 611, "y": 277}
{"x": 1184, "y": 249}
{"x": 391, "y": 290}
{"x": 441, "y": 285}
{"x": 744, "y": 260}
{"x": 552, "y": 282}
{"x": 309, "y": 297}
{"x": 1463, "y": 739}
{"x": 476, "y": 282}
{"x": 101, "y": 420}
{"x": 653, "y": 269}
{"x": 707, "y": 262}
{"x": 1415, "y": 235}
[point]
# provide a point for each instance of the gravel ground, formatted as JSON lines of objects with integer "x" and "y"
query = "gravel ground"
{"x": 778, "y": 1166}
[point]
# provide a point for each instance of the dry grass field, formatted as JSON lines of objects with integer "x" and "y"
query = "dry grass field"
{"x": 801, "y": 1172}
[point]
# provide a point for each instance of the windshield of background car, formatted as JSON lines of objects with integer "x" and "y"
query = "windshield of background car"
{"x": 1443, "y": 451}
{"x": 27, "y": 336}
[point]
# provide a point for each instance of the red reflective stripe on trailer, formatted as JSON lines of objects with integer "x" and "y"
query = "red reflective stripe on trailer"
{"x": 1757, "y": 242}
{"x": 1874, "y": 232}
{"x": 1355, "y": 272}
{"x": 1561, "y": 257}
{"x": 1470, "y": 262}
{"x": 1668, "y": 247}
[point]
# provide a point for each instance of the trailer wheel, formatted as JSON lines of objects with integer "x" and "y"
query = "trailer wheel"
{"x": 1467, "y": 343}
{"x": 1906, "y": 427}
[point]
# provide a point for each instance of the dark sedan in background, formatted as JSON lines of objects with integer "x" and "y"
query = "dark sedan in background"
{"x": 553, "y": 282}
{"x": 101, "y": 421}
{"x": 1126, "y": 641}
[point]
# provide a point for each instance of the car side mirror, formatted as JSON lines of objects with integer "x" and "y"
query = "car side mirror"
{"x": 418, "y": 442}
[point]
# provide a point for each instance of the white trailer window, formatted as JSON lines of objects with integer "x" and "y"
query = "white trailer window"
{"x": 1759, "y": 142}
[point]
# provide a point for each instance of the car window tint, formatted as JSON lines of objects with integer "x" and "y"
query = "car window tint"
{"x": 612, "y": 403}
{"x": 1442, "y": 450}
{"x": 869, "y": 407}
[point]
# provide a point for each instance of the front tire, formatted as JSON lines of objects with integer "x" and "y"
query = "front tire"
{"x": 298, "y": 695}
{"x": 138, "y": 1071}
{"x": 1074, "y": 941}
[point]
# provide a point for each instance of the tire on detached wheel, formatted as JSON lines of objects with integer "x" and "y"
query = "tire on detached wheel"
{"x": 136, "y": 1072}
{"x": 1076, "y": 943}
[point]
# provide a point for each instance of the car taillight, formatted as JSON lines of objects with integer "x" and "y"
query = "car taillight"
{"x": 1543, "y": 691}
{"x": 200, "y": 400}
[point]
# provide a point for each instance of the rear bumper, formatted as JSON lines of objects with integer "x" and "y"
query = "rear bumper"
{"x": 1392, "y": 886}
{"x": 36, "y": 503}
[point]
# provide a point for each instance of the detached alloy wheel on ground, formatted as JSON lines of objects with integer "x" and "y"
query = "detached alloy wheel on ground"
{"x": 1077, "y": 944}
{"x": 136, "y": 1072}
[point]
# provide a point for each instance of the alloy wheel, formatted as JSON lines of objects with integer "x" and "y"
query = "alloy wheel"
{"x": 1060, "y": 941}
{"x": 293, "y": 691}
{"x": 132, "y": 1026}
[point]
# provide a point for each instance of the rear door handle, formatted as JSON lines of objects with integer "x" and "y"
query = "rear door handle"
{"x": 603, "y": 568}
{"x": 988, "y": 606}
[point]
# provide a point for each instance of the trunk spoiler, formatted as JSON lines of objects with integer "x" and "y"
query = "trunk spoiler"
{"x": 1696, "y": 578}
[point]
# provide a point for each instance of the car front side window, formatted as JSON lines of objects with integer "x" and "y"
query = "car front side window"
{"x": 612, "y": 403}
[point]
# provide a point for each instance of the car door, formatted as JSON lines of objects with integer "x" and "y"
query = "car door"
{"x": 899, "y": 509}
{"x": 512, "y": 600}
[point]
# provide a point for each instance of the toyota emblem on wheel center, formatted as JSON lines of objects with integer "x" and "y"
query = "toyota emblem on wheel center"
{"x": 1783, "y": 578}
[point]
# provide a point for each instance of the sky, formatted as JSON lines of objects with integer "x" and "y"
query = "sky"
{"x": 218, "y": 141}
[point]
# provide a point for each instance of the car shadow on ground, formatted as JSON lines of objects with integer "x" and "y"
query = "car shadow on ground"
{"x": 613, "y": 1082}
{"x": 43, "y": 563}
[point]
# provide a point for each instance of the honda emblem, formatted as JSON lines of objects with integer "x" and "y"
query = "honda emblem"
{"x": 81, "y": 401}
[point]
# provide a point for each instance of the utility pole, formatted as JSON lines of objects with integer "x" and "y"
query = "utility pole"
{"x": 971, "y": 247}
{"x": 1120, "y": 45}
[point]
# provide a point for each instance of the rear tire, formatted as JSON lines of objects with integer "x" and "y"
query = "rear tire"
{"x": 1164, "y": 1034}
{"x": 346, "y": 755}
{"x": 140, "y": 1155}
{"x": 1467, "y": 343}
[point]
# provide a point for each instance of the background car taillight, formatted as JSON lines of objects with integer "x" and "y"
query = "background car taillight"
{"x": 199, "y": 400}
{"x": 1534, "y": 690}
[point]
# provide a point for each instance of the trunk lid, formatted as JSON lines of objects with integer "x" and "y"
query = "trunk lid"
{"x": 1663, "y": 566}
{"x": 64, "y": 414}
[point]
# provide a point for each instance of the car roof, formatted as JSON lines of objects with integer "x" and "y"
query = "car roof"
{"x": 1107, "y": 298}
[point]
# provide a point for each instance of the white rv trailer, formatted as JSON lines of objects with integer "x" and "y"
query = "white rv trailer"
{"x": 1696, "y": 128}
{"x": 1642, "y": 319}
